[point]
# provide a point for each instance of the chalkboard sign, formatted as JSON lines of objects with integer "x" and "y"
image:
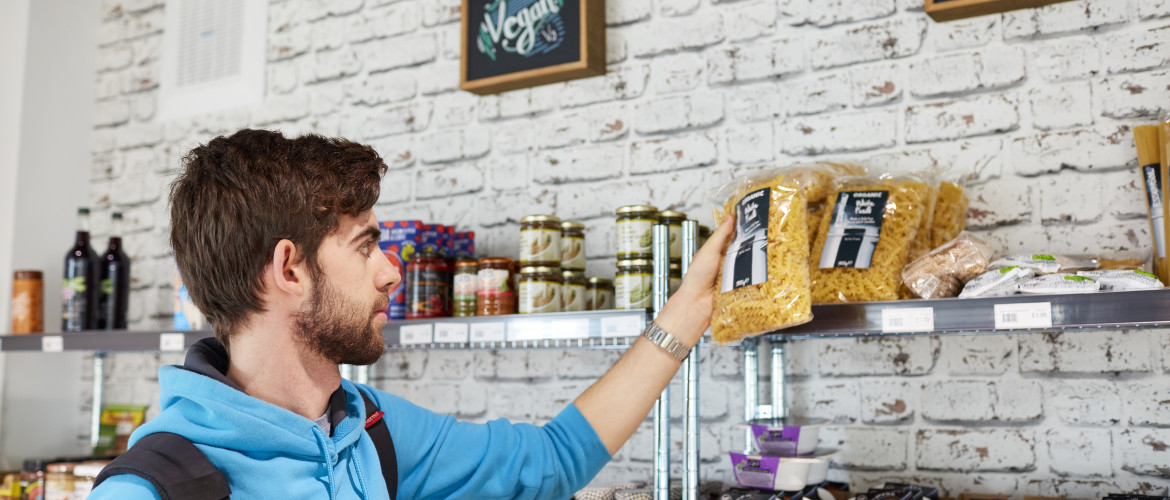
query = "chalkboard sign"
{"x": 512, "y": 44}
{"x": 950, "y": 10}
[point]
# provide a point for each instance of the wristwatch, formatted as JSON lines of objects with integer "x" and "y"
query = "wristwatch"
{"x": 666, "y": 341}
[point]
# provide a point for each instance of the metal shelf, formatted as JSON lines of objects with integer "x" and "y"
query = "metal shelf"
{"x": 103, "y": 341}
{"x": 1127, "y": 309}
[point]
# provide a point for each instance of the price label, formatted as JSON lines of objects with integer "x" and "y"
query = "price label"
{"x": 1022, "y": 316}
{"x": 52, "y": 343}
{"x": 416, "y": 334}
{"x": 520, "y": 330}
{"x": 622, "y": 326}
{"x": 451, "y": 333}
{"x": 171, "y": 342}
{"x": 488, "y": 332}
{"x": 908, "y": 319}
{"x": 568, "y": 329}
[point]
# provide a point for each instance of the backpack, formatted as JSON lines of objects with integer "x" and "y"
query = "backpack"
{"x": 179, "y": 471}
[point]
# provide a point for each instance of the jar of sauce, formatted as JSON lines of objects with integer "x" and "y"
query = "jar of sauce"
{"x": 633, "y": 284}
{"x": 428, "y": 292}
{"x": 540, "y": 289}
{"x": 598, "y": 294}
{"x": 32, "y": 480}
{"x": 572, "y": 246}
{"x": 465, "y": 289}
{"x": 540, "y": 241}
{"x": 27, "y": 306}
{"x": 673, "y": 219}
{"x": 572, "y": 291}
{"x": 59, "y": 481}
{"x": 635, "y": 231}
{"x": 495, "y": 294}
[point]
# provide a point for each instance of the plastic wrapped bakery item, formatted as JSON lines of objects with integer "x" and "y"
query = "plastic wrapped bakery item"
{"x": 996, "y": 283}
{"x": 764, "y": 280}
{"x": 944, "y": 271}
{"x": 950, "y": 214}
{"x": 1059, "y": 283}
{"x": 864, "y": 240}
{"x": 1044, "y": 263}
{"x": 1123, "y": 280}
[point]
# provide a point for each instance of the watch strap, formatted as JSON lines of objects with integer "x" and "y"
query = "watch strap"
{"x": 666, "y": 341}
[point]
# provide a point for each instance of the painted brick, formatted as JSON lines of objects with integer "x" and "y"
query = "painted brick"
{"x": 1080, "y": 452}
{"x": 399, "y": 119}
{"x": 560, "y": 131}
{"x": 838, "y": 402}
{"x": 867, "y": 448}
{"x": 608, "y": 122}
{"x": 511, "y": 207}
{"x": 675, "y": 8}
{"x": 1003, "y": 450}
{"x": 518, "y": 103}
{"x": 331, "y": 33}
{"x": 507, "y": 173}
{"x": 508, "y": 365}
{"x": 1148, "y": 403}
{"x": 978, "y": 355}
{"x": 585, "y": 364}
{"x": 1145, "y": 451}
{"x": 687, "y": 190}
{"x": 670, "y": 35}
{"x": 109, "y": 165}
{"x": 394, "y": 20}
{"x": 1071, "y": 58}
{"x": 455, "y": 144}
{"x": 749, "y": 20}
{"x": 828, "y": 13}
{"x": 328, "y": 97}
{"x": 110, "y": 113}
{"x": 680, "y": 112}
{"x": 888, "y": 401}
{"x": 1166, "y": 352}
{"x": 281, "y": 109}
{"x": 1070, "y": 198}
{"x": 876, "y": 84}
{"x": 440, "y": 12}
{"x": 982, "y": 401}
{"x": 582, "y": 204}
{"x": 673, "y": 153}
{"x": 1062, "y": 106}
{"x": 108, "y": 85}
{"x": 331, "y": 65}
{"x": 438, "y": 78}
{"x": 794, "y": 12}
{"x": 675, "y": 73}
{"x": 879, "y": 356}
{"x": 857, "y": 131}
{"x": 726, "y": 362}
{"x": 757, "y": 102}
{"x": 382, "y": 88}
{"x": 1071, "y": 488}
{"x": 1137, "y": 51}
{"x": 871, "y": 42}
{"x": 283, "y": 78}
{"x": 600, "y": 241}
{"x": 1134, "y": 95}
{"x": 401, "y": 365}
{"x": 289, "y": 44}
{"x": 751, "y": 143}
{"x": 967, "y": 71}
{"x": 447, "y": 181}
{"x": 616, "y": 48}
{"x": 397, "y": 152}
{"x": 1126, "y": 197}
{"x": 1153, "y": 9}
{"x": 593, "y": 163}
{"x": 822, "y": 94}
{"x": 409, "y": 50}
{"x": 456, "y": 111}
{"x": 618, "y": 13}
{"x": 1098, "y": 239}
{"x": 1088, "y": 352}
{"x": 450, "y": 365}
{"x": 110, "y": 32}
{"x": 397, "y": 186}
{"x": 114, "y": 58}
{"x": 968, "y": 117}
{"x": 139, "y": 136}
{"x": 143, "y": 162}
{"x": 755, "y": 61}
{"x": 1101, "y": 149}
{"x": 625, "y": 82}
{"x": 964, "y": 33}
{"x": 143, "y": 24}
{"x": 1068, "y": 17}
{"x": 147, "y": 50}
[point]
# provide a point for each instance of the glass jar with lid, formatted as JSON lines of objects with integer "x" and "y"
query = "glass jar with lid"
{"x": 495, "y": 294}
{"x": 704, "y": 234}
{"x": 572, "y": 291}
{"x": 675, "y": 277}
{"x": 635, "y": 231}
{"x": 674, "y": 220}
{"x": 598, "y": 294}
{"x": 59, "y": 481}
{"x": 540, "y": 241}
{"x": 465, "y": 290}
{"x": 572, "y": 246}
{"x": 428, "y": 293}
{"x": 633, "y": 284}
{"x": 540, "y": 289}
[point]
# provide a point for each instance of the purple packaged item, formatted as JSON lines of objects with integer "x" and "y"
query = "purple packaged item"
{"x": 787, "y": 437}
{"x": 755, "y": 471}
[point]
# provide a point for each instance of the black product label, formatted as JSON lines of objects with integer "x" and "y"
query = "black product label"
{"x": 1152, "y": 175}
{"x": 746, "y": 262}
{"x": 855, "y": 229}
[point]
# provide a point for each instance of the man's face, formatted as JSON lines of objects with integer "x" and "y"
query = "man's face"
{"x": 343, "y": 315}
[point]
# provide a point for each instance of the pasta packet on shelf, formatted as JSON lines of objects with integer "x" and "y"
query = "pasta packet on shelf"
{"x": 1123, "y": 280}
{"x": 996, "y": 283}
{"x": 864, "y": 240}
{"x": 1044, "y": 263}
{"x": 944, "y": 271}
{"x": 1059, "y": 283}
{"x": 950, "y": 213}
{"x": 764, "y": 281}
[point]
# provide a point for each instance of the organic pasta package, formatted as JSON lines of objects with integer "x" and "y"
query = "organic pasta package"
{"x": 864, "y": 240}
{"x": 950, "y": 214}
{"x": 764, "y": 281}
{"x": 922, "y": 245}
{"x": 819, "y": 180}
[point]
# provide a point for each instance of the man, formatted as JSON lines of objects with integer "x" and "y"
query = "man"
{"x": 277, "y": 243}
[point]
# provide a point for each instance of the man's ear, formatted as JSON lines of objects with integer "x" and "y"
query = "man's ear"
{"x": 288, "y": 271}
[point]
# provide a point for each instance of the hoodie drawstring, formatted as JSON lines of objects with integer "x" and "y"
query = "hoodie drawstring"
{"x": 321, "y": 442}
{"x": 357, "y": 468}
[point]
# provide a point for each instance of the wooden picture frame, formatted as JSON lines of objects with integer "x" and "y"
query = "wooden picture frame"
{"x": 950, "y": 10}
{"x": 582, "y": 51}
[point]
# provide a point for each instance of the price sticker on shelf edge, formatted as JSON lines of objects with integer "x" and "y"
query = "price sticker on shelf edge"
{"x": 52, "y": 343}
{"x": 171, "y": 342}
{"x": 416, "y": 334}
{"x": 488, "y": 332}
{"x": 451, "y": 333}
{"x": 629, "y": 325}
{"x": 907, "y": 319}
{"x": 1023, "y": 315}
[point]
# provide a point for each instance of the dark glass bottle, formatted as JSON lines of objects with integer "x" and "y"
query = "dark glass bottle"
{"x": 80, "y": 283}
{"x": 115, "y": 281}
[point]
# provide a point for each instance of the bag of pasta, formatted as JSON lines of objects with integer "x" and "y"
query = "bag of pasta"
{"x": 864, "y": 240}
{"x": 950, "y": 214}
{"x": 763, "y": 282}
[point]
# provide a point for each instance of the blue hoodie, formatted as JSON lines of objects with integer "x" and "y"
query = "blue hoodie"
{"x": 269, "y": 452}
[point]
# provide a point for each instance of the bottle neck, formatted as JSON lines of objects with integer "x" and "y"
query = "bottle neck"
{"x": 115, "y": 243}
{"x": 83, "y": 223}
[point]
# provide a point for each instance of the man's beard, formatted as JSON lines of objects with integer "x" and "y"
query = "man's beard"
{"x": 337, "y": 329}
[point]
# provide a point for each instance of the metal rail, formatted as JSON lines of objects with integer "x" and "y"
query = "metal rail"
{"x": 661, "y": 235}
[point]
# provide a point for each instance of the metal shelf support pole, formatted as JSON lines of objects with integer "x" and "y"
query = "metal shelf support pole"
{"x": 779, "y": 379}
{"x": 751, "y": 387}
{"x": 361, "y": 374}
{"x": 690, "y": 231}
{"x": 346, "y": 372}
{"x": 661, "y": 286}
{"x": 95, "y": 414}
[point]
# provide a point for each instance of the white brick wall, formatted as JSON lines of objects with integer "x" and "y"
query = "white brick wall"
{"x": 1033, "y": 108}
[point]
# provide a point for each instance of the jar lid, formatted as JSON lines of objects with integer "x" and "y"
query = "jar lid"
{"x": 487, "y": 261}
{"x": 676, "y": 266}
{"x": 34, "y": 465}
{"x": 636, "y": 209}
{"x": 540, "y": 218}
{"x": 571, "y": 274}
{"x": 27, "y": 274}
{"x": 60, "y": 467}
{"x": 598, "y": 280}
{"x": 467, "y": 263}
{"x": 572, "y": 225}
{"x": 89, "y": 469}
{"x": 635, "y": 263}
{"x": 540, "y": 270}
{"x": 672, "y": 214}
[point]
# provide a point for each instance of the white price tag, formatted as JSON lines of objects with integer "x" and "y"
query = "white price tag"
{"x": 416, "y": 334}
{"x": 908, "y": 319}
{"x": 170, "y": 342}
{"x": 452, "y": 333}
{"x": 622, "y": 326}
{"x": 1025, "y": 315}
{"x": 52, "y": 343}
{"x": 488, "y": 332}
{"x": 568, "y": 329}
{"x": 527, "y": 329}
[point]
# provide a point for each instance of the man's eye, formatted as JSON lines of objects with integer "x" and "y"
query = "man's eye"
{"x": 368, "y": 248}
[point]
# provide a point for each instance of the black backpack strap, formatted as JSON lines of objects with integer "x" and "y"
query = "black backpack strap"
{"x": 380, "y": 434}
{"x": 176, "y": 468}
